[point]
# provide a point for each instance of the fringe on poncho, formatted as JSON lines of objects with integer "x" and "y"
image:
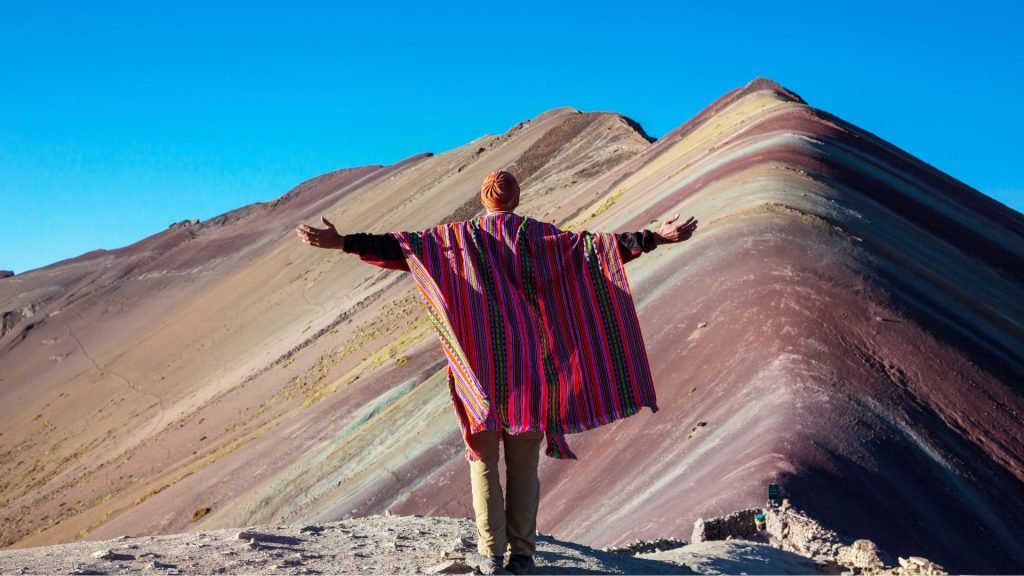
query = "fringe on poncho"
{"x": 538, "y": 325}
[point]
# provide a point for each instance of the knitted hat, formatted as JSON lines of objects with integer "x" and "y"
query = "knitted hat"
{"x": 500, "y": 191}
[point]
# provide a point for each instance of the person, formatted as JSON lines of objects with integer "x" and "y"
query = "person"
{"x": 542, "y": 339}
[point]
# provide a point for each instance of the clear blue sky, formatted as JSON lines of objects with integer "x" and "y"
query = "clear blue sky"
{"x": 118, "y": 118}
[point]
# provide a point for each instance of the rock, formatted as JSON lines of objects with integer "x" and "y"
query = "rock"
{"x": 108, "y": 554}
{"x": 862, "y": 554}
{"x": 248, "y": 535}
{"x": 795, "y": 532}
{"x": 6, "y": 273}
{"x": 200, "y": 513}
{"x": 462, "y": 545}
{"x": 736, "y": 525}
{"x": 184, "y": 223}
{"x": 646, "y": 546}
{"x": 449, "y": 567}
{"x": 11, "y": 318}
{"x": 915, "y": 565}
{"x": 699, "y": 531}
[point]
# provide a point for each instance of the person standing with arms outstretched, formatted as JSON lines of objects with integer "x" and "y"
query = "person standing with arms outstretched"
{"x": 542, "y": 340}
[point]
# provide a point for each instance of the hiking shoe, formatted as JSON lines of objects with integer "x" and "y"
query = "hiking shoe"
{"x": 486, "y": 564}
{"x": 520, "y": 564}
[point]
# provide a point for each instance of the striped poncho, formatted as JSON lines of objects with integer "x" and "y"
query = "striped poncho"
{"x": 538, "y": 325}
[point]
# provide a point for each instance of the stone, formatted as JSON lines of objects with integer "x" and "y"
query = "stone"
{"x": 646, "y": 546}
{"x": 736, "y": 525}
{"x": 462, "y": 545}
{"x": 862, "y": 554}
{"x": 108, "y": 554}
{"x": 795, "y": 532}
{"x": 449, "y": 567}
{"x": 699, "y": 531}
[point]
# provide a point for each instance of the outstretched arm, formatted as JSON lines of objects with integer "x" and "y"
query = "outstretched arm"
{"x": 634, "y": 244}
{"x": 377, "y": 249}
{"x": 321, "y": 237}
{"x": 669, "y": 232}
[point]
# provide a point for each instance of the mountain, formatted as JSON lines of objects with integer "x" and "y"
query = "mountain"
{"x": 847, "y": 323}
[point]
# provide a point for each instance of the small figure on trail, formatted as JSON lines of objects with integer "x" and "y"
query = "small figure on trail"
{"x": 542, "y": 340}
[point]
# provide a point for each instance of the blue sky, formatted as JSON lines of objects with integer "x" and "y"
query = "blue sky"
{"x": 119, "y": 118}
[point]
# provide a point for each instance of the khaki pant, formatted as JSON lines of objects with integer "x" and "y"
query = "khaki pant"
{"x": 500, "y": 524}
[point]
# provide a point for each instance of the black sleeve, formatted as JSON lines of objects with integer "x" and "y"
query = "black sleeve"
{"x": 377, "y": 246}
{"x": 633, "y": 244}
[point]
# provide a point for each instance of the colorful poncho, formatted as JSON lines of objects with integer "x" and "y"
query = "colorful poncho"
{"x": 538, "y": 325}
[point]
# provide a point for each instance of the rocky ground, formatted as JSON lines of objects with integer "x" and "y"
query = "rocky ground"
{"x": 791, "y": 543}
{"x": 373, "y": 545}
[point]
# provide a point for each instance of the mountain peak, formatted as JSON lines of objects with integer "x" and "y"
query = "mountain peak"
{"x": 767, "y": 84}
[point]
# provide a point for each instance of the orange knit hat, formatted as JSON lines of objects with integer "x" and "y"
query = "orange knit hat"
{"x": 500, "y": 191}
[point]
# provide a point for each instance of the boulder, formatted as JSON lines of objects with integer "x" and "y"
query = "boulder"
{"x": 862, "y": 554}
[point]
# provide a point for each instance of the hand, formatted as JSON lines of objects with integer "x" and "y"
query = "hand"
{"x": 321, "y": 237}
{"x": 669, "y": 233}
